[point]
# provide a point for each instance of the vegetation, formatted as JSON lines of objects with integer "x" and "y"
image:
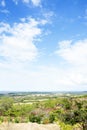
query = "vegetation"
{"x": 68, "y": 111}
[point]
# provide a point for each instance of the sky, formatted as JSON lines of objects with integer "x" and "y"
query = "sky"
{"x": 43, "y": 45}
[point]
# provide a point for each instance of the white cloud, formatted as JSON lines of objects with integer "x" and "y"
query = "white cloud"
{"x": 34, "y": 2}
{"x": 68, "y": 77}
{"x": 4, "y": 27}
{"x": 3, "y": 3}
{"x": 73, "y": 52}
{"x": 75, "y": 61}
{"x": 17, "y": 41}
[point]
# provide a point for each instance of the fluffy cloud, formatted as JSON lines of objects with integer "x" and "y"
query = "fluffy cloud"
{"x": 75, "y": 60}
{"x": 17, "y": 41}
{"x": 73, "y": 52}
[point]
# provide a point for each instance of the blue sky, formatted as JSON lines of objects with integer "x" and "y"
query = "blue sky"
{"x": 43, "y": 45}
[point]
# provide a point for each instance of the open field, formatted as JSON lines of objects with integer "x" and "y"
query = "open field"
{"x": 28, "y": 126}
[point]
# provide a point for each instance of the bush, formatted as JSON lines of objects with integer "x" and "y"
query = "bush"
{"x": 16, "y": 120}
{"x": 64, "y": 126}
{"x": 1, "y": 119}
{"x": 52, "y": 117}
{"x": 35, "y": 118}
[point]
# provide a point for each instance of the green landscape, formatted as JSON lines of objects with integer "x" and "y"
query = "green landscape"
{"x": 67, "y": 109}
{"x": 43, "y": 64}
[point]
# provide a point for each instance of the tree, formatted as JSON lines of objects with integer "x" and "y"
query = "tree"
{"x": 76, "y": 114}
{"x": 6, "y": 104}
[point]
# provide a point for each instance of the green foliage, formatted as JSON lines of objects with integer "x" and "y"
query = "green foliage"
{"x": 67, "y": 110}
{"x": 50, "y": 103}
{"x": 16, "y": 119}
{"x": 52, "y": 117}
{"x": 35, "y": 118}
{"x": 64, "y": 126}
{"x": 6, "y": 103}
{"x": 1, "y": 119}
{"x": 76, "y": 113}
{"x": 66, "y": 103}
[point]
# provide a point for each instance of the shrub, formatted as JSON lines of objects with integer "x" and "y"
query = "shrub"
{"x": 1, "y": 119}
{"x": 52, "y": 117}
{"x": 35, "y": 118}
{"x": 16, "y": 120}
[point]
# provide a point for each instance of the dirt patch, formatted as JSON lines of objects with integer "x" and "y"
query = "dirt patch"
{"x": 28, "y": 126}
